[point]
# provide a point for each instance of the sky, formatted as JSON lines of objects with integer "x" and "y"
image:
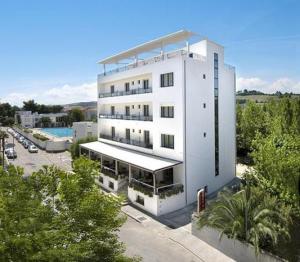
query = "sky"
{"x": 49, "y": 49}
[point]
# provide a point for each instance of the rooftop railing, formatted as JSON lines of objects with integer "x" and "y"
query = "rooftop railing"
{"x": 127, "y": 141}
{"x": 126, "y": 93}
{"x": 126, "y": 117}
{"x": 152, "y": 60}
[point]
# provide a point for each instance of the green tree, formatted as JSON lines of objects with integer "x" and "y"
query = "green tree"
{"x": 76, "y": 115}
{"x": 58, "y": 216}
{"x": 45, "y": 121}
{"x": 30, "y": 105}
{"x": 277, "y": 166}
{"x": 75, "y": 146}
{"x": 249, "y": 215}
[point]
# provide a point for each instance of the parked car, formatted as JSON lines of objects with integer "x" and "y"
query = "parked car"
{"x": 21, "y": 139}
{"x": 32, "y": 149}
{"x": 25, "y": 143}
{"x": 8, "y": 147}
{"x": 11, "y": 153}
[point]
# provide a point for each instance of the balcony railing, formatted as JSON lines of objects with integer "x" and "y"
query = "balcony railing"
{"x": 162, "y": 191}
{"x": 127, "y": 141}
{"x": 152, "y": 60}
{"x": 127, "y": 117}
{"x": 126, "y": 93}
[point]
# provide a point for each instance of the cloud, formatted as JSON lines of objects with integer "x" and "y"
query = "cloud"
{"x": 282, "y": 84}
{"x": 57, "y": 95}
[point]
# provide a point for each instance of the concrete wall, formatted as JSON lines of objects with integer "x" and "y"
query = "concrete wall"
{"x": 49, "y": 146}
{"x": 155, "y": 205}
{"x": 200, "y": 120}
{"x": 235, "y": 249}
{"x": 117, "y": 183}
{"x": 84, "y": 129}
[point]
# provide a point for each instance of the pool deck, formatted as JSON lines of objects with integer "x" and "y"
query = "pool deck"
{"x": 51, "y": 137}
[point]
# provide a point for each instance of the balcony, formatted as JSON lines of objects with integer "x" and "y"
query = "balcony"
{"x": 126, "y": 93}
{"x": 126, "y": 117}
{"x": 127, "y": 141}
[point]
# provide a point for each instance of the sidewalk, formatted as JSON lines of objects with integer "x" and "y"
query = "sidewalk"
{"x": 181, "y": 236}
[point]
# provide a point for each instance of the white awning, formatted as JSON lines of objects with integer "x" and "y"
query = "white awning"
{"x": 151, "y": 45}
{"x": 138, "y": 159}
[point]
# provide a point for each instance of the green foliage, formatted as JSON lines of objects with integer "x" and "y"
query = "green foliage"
{"x": 250, "y": 215}
{"x": 76, "y": 115}
{"x": 138, "y": 187}
{"x": 175, "y": 190}
{"x": 75, "y": 146}
{"x": 57, "y": 216}
{"x": 32, "y": 106}
{"x": 45, "y": 121}
{"x": 277, "y": 167}
{"x": 280, "y": 116}
{"x": 7, "y": 113}
{"x": 40, "y": 137}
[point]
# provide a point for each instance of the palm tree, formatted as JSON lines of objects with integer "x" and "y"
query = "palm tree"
{"x": 249, "y": 215}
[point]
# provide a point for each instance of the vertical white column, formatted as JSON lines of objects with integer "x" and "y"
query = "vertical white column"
{"x": 129, "y": 173}
{"x": 154, "y": 183}
{"x": 116, "y": 167}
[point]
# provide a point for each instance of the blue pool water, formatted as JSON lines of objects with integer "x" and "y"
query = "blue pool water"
{"x": 59, "y": 131}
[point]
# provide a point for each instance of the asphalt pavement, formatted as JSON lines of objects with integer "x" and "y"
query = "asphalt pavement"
{"x": 34, "y": 161}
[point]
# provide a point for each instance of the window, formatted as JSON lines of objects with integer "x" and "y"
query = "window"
{"x": 127, "y": 110}
{"x": 132, "y": 130}
{"x": 166, "y": 80}
{"x": 167, "y": 141}
{"x": 216, "y": 107}
{"x": 112, "y": 110}
{"x": 204, "y": 76}
{"x": 139, "y": 106}
{"x": 127, "y": 86}
{"x": 132, "y": 83}
{"x": 127, "y": 134}
{"x": 140, "y": 200}
{"x": 204, "y": 134}
{"x": 146, "y": 137}
{"x": 145, "y": 83}
{"x": 139, "y": 81}
{"x": 204, "y": 105}
{"x": 111, "y": 185}
{"x": 132, "y": 106}
{"x": 146, "y": 110}
{"x": 167, "y": 111}
{"x": 112, "y": 89}
{"x": 113, "y": 131}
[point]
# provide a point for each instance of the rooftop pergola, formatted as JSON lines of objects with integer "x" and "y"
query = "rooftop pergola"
{"x": 157, "y": 46}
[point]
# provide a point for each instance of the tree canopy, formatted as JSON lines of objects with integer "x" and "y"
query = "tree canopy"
{"x": 53, "y": 215}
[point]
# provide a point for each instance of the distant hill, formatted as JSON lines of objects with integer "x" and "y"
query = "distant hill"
{"x": 82, "y": 104}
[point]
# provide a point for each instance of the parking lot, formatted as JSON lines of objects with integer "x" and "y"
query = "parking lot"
{"x": 34, "y": 161}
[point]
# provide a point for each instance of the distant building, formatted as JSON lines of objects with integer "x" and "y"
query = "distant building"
{"x": 90, "y": 113}
{"x": 166, "y": 123}
{"x": 27, "y": 119}
{"x": 84, "y": 129}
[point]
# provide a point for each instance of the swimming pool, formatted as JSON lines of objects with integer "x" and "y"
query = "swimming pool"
{"x": 58, "y": 131}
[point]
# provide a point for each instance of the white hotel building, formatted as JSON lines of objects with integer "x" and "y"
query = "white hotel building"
{"x": 166, "y": 122}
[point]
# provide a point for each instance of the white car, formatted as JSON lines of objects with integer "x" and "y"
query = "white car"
{"x": 11, "y": 153}
{"x": 33, "y": 149}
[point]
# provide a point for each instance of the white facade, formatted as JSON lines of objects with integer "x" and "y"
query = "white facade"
{"x": 84, "y": 129}
{"x": 191, "y": 95}
{"x": 27, "y": 119}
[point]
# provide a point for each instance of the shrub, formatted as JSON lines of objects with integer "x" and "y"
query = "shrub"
{"x": 40, "y": 137}
{"x": 75, "y": 146}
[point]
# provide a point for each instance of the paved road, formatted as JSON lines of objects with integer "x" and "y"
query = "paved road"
{"x": 142, "y": 241}
{"x": 155, "y": 242}
{"x": 34, "y": 161}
